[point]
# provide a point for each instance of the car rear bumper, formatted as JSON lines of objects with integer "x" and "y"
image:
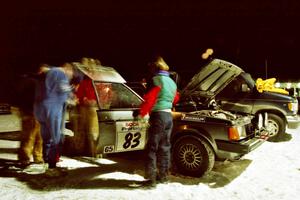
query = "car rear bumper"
{"x": 239, "y": 148}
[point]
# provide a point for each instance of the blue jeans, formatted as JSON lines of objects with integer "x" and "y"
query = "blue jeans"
{"x": 159, "y": 145}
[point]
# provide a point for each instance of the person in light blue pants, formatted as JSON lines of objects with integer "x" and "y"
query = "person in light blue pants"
{"x": 50, "y": 109}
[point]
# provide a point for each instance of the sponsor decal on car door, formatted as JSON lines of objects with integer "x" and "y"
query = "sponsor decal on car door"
{"x": 131, "y": 135}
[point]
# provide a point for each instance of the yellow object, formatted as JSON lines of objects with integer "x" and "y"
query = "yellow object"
{"x": 268, "y": 85}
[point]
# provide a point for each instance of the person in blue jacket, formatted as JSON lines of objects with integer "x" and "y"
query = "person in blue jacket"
{"x": 49, "y": 110}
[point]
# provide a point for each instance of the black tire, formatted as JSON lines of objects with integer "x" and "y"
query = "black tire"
{"x": 276, "y": 127}
{"x": 193, "y": 156}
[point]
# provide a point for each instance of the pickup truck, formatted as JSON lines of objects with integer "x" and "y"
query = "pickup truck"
{"x": 227, "y": 86}
{"x": 198, "y": 138}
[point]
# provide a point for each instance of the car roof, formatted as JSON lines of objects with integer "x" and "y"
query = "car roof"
{"x": 100, "y": 73}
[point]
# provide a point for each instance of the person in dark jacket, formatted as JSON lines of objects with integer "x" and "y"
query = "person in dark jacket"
{"x": 158, "y": 103}
{"x": 31, "y": 141}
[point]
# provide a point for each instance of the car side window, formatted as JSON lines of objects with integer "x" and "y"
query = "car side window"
{"x": 116, "y": 96}
{"x": 233, "y": 89}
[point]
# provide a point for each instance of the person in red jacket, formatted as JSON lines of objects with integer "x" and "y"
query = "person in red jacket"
{"x": 88, "y": 123}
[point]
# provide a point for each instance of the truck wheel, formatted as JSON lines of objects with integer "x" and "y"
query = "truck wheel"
{"x": 193, "y": 156}
{"x": 276, "y": 127}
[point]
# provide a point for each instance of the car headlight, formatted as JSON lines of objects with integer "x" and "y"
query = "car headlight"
{"x": 293, "y": 106}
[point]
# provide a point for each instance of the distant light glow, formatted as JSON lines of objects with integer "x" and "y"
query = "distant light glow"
{"x": 205, "y": 56}
{"x": 277, "y": 85}
{"x": 288, "y": 85}
{"x": 298, "y": 85}
{"x": 209, "y": 51}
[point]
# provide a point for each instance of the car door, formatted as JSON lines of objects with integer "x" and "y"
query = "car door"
{"x": 119, "y": 130}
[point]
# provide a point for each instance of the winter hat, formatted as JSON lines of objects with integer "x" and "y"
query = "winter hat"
{"x": 161, "y": 64}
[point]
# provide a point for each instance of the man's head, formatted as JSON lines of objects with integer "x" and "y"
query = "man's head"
{"x": 68, "y": 69}
{"x": 43, "y": 68}
{"x": 85, "y": 61}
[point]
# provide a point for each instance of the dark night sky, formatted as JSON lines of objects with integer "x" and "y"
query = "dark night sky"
{"x": 125, "y": 36}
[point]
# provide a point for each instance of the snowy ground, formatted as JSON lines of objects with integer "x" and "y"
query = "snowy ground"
{"x": 270, "y": 172}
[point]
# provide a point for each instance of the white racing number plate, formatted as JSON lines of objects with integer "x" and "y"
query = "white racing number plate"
{"x": 131, "y": 135}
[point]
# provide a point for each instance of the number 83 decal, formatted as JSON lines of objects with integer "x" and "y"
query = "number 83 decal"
{"x": 132, "y": 140}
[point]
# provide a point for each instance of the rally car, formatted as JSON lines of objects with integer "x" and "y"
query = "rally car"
{"x": 197, "y": 138}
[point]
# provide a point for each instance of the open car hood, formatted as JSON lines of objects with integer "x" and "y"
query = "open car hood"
{"x": 211, "y": 79}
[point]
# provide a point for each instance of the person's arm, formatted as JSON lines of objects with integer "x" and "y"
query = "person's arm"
{"x": 65, "y": 87}
{"x": 176, "y": 98}
{"x": 63, "y": 83}
{"x": 57, "y": 81}
{"x": 150, "y": 100}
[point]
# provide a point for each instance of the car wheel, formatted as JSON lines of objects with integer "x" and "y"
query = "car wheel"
{"x": 193, "y": 156}
{"x": 276, "y": 127}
